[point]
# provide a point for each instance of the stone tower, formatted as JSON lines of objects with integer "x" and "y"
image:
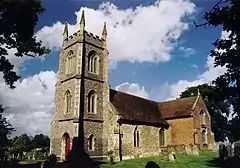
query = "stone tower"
{"x": 82, "y": 93}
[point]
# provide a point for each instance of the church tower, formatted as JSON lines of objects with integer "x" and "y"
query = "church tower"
{"x": 82, "y": 93}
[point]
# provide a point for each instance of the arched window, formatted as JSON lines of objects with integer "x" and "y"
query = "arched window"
{"x": 68, "y": 100}
{"x": 92, "y": 102}
{"x": 161, "y": 137}
{"x": 91, "y": 142}
{"x": 93, "y": 62}
{"x": 136, "y": 137}
{"x": 204, "y": 140}
{"x": 70, "y": 63}
{"x": 202, "y": 117}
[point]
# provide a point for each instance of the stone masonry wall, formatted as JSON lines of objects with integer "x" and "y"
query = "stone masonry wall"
{"x": 149, "y": 141}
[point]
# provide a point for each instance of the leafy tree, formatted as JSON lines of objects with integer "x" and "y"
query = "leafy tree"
{"x": 21, "y": 144}
{"x": 40, "y": 141}
{"x": 226, "y": 14}
{"x": 234, "y": 129}
{"x": 18, "y": 19}
{"x": 5, "y": 130}
{"x": 216, "y": 105}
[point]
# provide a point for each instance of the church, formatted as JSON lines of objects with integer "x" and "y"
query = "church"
{"x": 113, "y": 121}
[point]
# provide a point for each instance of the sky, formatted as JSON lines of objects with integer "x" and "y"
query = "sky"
{"x": 155, "y": 52}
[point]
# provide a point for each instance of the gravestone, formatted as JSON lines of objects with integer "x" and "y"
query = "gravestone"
{"x": 223, "y": 152}
{"x": 188, "y": 150}
{"x": 229, "y": 150}
{"x": 216, "y": 146}
{"x": 210, "y": 146}
{"x": 195, "y": 151}
{"x": 171, "y": 157}
{"x": 237, "y": 149}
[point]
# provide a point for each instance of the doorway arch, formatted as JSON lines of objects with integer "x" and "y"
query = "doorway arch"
{"x": 66, "y": 145}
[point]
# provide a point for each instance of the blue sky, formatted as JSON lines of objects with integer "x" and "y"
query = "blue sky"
{"x": 180, "y": 67}
{"x": 165, "y": 53}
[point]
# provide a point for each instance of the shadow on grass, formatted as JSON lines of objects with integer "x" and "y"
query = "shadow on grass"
{"x": 151, "y": 164}
{"x": 232, "y": 162}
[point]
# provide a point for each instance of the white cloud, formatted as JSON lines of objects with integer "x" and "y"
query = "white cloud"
{"x": 133, "y": 88}
{"x": 143, "y": 34}
{"x": 187, "y": 51}
{"x": 31, "y": 103}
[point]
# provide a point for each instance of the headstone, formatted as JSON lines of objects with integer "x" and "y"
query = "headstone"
{"x": 237, "y": 148}
{"x": 171, "y": 157}
{"x": 216, "y": 147}
{"x": 223, "y": 152}
{"x": 229, "y": 150}
{"x": 195, "y": 151}
{"x": 210, "y": 146}
{"x": 188, "y": 150}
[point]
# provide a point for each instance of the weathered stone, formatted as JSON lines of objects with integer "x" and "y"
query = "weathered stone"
{"x": 171, "y": 157}
{"x": 195, "y": 151}
{"x": 188, "y": 150}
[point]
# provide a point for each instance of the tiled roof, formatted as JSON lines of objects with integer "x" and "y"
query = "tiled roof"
{"x": 176, "y": 108}
{"x": 133, "y": 108}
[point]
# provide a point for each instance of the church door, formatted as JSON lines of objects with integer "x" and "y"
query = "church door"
{"x": 67, "y": 145}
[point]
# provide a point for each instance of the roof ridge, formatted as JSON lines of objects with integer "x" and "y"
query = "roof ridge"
{"x": 176, "y": 99}
{"x": 133, "y": 95}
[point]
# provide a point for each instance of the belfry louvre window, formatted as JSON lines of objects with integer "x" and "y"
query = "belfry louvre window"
{"x": 93, "y": 62}
{"x": 70, "y": 63}
{"x": 92, "y": 102}
{"x": 68, "y": 100}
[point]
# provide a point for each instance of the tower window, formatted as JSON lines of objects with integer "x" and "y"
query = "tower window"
{"x": 70, "y": 63}
{"x": 136, "y": 137}
{"x": 92, "y": 102}
{"x": 93, "y": 62}
{"x": 91, "y": 142}
{"x": 68, "y": 98}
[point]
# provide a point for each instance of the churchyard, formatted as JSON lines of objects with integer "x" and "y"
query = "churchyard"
{"x": 222, "y": 155}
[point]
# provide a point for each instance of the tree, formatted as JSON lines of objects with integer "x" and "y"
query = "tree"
{"x": 18, "y": 19}
{"x": 5, "y": 130}
{"x": 226, "y": 52}
{"x": 40, "y": 141}
{"x": 20, "y": 145}
{"x": 217, "y": 106}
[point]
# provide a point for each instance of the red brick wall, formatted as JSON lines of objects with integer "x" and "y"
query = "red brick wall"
{"x": 201, "y": 106}
{"x": 181, "y": 131}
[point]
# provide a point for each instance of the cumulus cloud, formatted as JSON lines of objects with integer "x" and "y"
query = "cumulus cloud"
{"x": 208, "y": 76}
{"x": 133, "y": 88}
{"x": 31, "y": 103}
{"x": 187, "y": 51}
{"x": 143, "y": 34}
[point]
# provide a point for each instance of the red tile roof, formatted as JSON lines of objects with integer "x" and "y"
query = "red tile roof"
{"x": 176, "y": 108}
{"x": 135, "y": 108}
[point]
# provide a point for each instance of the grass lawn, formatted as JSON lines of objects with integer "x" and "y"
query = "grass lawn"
{"x": 204, "y": 160}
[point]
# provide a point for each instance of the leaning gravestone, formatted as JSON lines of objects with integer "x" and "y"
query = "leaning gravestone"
{"x": 188, "y": 150}
{"x": 195, "y": 151}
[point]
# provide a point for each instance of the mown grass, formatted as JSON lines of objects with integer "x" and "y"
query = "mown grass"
{"x": 204, "y": 160}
